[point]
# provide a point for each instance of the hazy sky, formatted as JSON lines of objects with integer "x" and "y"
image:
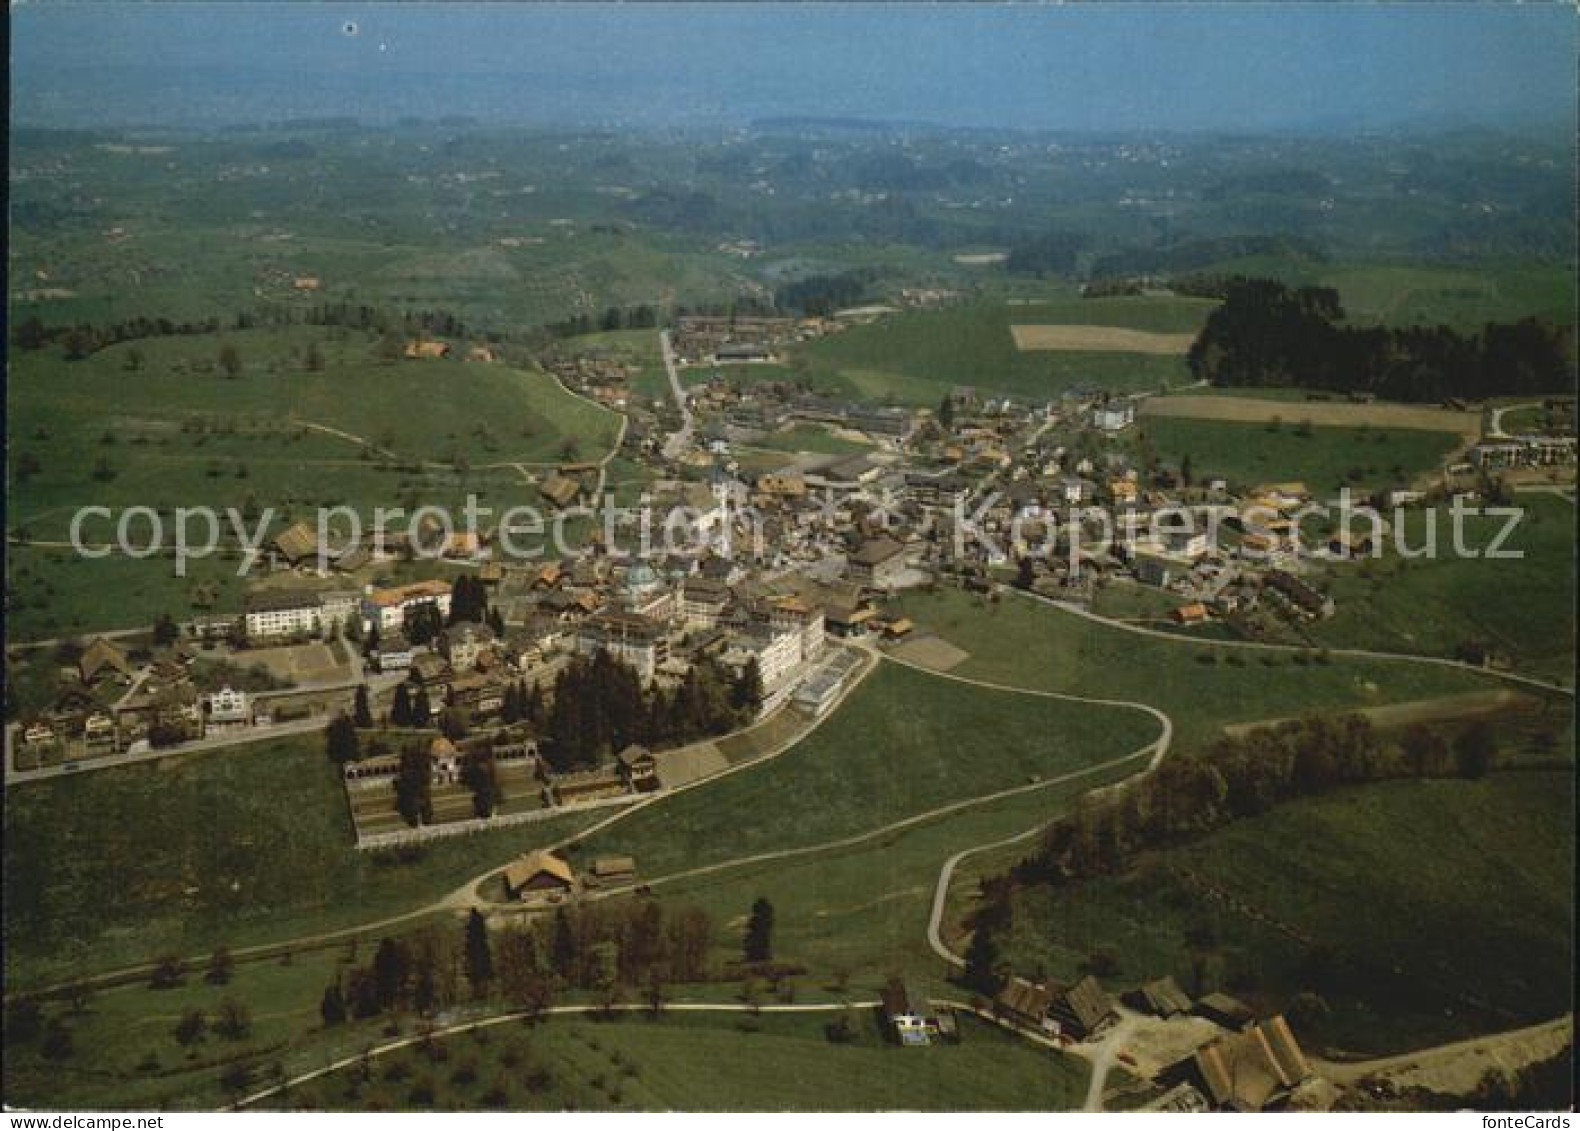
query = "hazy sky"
{"x": 1103, "y": 67}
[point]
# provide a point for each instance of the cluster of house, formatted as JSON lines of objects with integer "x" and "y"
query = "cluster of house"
{"x": 658, "y": 620}
{"x": 722, "y": 340}
{"x": 109, "y": 704}
{"x": 1252, "y": 1064}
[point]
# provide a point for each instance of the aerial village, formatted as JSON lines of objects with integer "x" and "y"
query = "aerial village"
{"x": 739, "y": 639}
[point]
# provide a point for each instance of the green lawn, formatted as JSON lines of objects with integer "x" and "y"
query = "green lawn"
{"x": 242, "y": 846}
{"x": 903, "y": 743}
{"x": 55, "y": 593}
{"x": 1427, "y": 910}
{"x": 863, "y": 909}
{"x": 1324, "y": 458}
{"x": 810, "y": 438}
{"x": 710, "y": 1063}
{"x": 1018, "y": 642}
{"x": 125, "y": 1055}
{"x": 1523, "y": 608}
{"x": 916, "y": 357}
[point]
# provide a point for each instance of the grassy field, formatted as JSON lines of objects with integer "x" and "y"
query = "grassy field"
{"x": 1323, "y": 458}
{"x": 1017, "y": 642}
{"x": 52, "y": 592}
{"x": 1408, "y": 294}
{"x": 916, "y": 357}
{"x": 1422, "y": 911}
{"x": 125, "y": 1055}
{"x": 280, "y": 434}
{"x": 253, "y": 845}
{"x": 1522, "y": 608}
{"x": 709, "y": 1063}
{"x": 903, "y": 743}
{"x": 810, "y": 438}
{"x": 863, "y": 909}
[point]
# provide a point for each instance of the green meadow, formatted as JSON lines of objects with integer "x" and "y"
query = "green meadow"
{"x": 254, "y": 845}
{"x": 782, "y": 1062}
{"x": 905, "y": 742}
{"x": 360, "y": 432}
{"x": 1323, "y": 458}
{"x": 917, "y": 356}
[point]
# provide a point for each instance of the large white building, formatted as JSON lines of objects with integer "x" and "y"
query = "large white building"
{"x": 387, "y": 608}
{"x": 275, "y": 613}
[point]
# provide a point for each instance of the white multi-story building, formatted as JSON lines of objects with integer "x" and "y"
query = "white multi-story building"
{"x": 283, "y": 612}
{"x": 778, "y": 655}
{"x": 339, "y": 606}
{"x": 792, "y": 614}
{"x": 387, "y": 608}
{"x": 702, "y": 602}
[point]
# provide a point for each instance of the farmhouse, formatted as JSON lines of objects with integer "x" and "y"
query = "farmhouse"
{"x": 1164, "y": 998}
{"x": 1194, "y": 613}
{"x": 1083, "y": 1009}
{"x": 1026, "y": 1003}
{"x": 1253, "y": 1069}
{"x": 295, "y": 545}
{"x": 101, "y": 658}
{"x": 537, "y": 874}
{"x": 559, "y": 490}
{"x": 639, "y": 768}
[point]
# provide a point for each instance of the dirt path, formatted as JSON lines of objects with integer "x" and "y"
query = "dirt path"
{"x": 1456, "y": 1068}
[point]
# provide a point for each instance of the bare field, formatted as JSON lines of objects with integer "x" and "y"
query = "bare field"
{"x": 1253, "y": 410}
{"x": 1099, "y": 339}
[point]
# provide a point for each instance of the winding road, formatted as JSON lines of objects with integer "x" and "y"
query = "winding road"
{"x": 676, "y": 443}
